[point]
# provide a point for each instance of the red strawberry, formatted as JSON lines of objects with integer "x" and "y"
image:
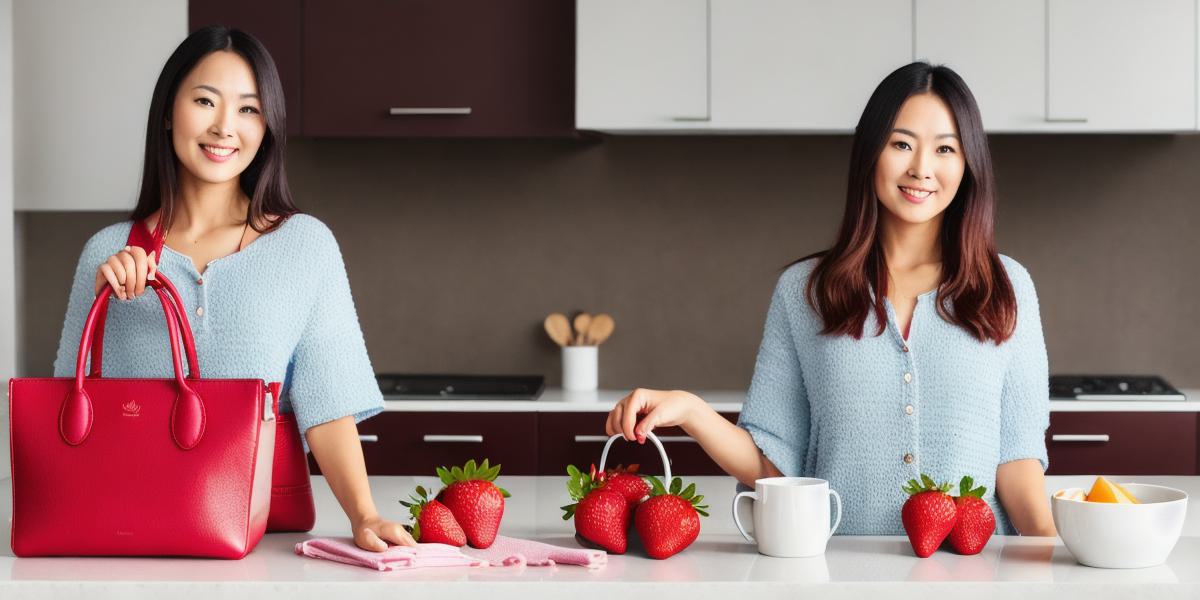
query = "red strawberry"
{"x": 975, "y": 523}
{"x": 627, "y": 482}
{"x": 667, "y": 522}
{"x": 433, "y": 523}
{"x": 928, "y": 514}
{"x": 477, "y": 504}
{"x": 601, "y": 514}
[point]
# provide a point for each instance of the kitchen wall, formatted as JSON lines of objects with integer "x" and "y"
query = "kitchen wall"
{"x": 456, "y": 250}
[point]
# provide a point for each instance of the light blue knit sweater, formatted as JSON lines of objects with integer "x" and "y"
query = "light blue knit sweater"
{"x": 280, "y": 310}
{"x": 835, "y": 407}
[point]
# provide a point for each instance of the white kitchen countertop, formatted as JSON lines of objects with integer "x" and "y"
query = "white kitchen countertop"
{"x": 718, "y": 565}
{"x": 559, "y": 400}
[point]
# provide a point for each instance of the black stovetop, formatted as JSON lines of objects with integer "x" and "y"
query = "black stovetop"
{"x": 1112, "y": 387}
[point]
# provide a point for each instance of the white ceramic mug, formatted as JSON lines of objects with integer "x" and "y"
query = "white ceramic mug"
{"x": 791, "y": 515}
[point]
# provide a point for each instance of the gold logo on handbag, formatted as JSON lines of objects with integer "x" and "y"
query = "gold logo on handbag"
{"x": 131, "y": 408}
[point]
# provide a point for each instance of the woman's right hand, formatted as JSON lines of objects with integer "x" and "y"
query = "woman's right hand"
{"x": 127, "y": 272}
{"x": 661, "y": 409}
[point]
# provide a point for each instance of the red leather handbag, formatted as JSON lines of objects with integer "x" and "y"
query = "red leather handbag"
{"x": 292, "y": 506}
{"x": 144, "y": 467}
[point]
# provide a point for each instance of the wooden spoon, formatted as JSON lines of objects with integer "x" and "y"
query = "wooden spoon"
{"x": 602, "y": 326}
{"x": 582, "y": 321}
{"x": 558, "y": 328}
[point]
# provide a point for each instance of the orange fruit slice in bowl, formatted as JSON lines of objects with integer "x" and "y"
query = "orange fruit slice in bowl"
{"x": 1106, "y": 491}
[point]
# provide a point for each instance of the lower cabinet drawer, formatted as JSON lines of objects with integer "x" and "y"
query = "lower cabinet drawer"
{"x": 1122, "y": 443}
{"x": 578, "y": 439}
{"x": 417, "y": 443}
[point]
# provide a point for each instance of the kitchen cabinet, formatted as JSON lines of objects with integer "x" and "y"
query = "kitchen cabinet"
{"x": 802, "y": 66}
{"x": 82, "y": 77}
{"x": 1068, "y": 65}
{"x": 417, "y": 443}
{"x": 524, "y": 443}
{"x": 275, "y": 23}
{"x": 444, "y": 68}
{"x": 578, "y": 438}
{"x": 1122, "y": 66}
{"x": 1123, "y": 443}
{"x": 788, "y": 65}
{"x": 642, "y": 66}
{"x": 998, "y": 48}
{"x": 734, "y": 65}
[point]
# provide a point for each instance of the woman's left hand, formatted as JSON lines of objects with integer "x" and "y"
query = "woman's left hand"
{"x": 373, "y": 533}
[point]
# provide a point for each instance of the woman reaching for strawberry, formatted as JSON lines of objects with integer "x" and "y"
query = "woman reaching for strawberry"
{"x": 910, "y": 346}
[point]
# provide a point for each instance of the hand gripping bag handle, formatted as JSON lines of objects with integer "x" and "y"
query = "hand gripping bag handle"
{"x": 187, "y": 413}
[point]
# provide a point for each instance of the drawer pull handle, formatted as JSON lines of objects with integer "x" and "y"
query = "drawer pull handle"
{"x": 466, "y": 110}
{"x": 1066, "y": 437}
{"x": 581, "y": 439}
{"x": 454, "y": 438}
{"x": 368, "y": 438}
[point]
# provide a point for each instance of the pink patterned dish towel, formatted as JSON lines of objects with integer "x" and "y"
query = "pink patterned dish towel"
{"x": 344, "y": 550}
{"x": 505, "y": 551}
{"x": 508, "y": 551}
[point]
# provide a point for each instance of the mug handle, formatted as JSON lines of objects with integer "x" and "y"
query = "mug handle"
{"x": 838, "y": 520}
{"x": 737, "y": 521}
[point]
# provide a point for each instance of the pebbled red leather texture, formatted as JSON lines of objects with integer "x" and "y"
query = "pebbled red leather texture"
{"x": 139, "y": 467}
{"x": 292, "y": 505}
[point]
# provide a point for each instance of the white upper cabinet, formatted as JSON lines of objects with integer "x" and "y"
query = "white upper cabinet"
{"x": 999, "y": 50}
{"x": 84, "y": 73}
{"x": 803, "y": 65}
{"x": 808, "y": 66}
{"x": 1116, "y": 65}
{"x": 641, "y": 65}
{"x": 1068, "y": 65}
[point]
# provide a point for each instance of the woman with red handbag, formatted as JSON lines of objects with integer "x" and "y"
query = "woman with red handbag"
{"x": 264, "y": 286}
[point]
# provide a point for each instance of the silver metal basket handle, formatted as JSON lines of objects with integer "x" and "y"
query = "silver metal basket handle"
{"x": 653, "y": 438}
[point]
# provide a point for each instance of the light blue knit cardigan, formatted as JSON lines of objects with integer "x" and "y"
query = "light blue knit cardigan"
{"x": 835, "y": 407}
{"x": 280, "y": 310}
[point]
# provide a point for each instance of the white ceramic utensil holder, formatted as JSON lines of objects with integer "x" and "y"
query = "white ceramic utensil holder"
{"x": 580, "y": 367}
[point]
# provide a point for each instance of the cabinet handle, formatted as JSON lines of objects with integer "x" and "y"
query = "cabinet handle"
{"x": 453, "y": 438}
{"x": 707, "y": 78}
{"x": 465, "y": 110}
{"x": 1067, "y": 437}
{"x": 1046, "y": 70}
{"x": 580, "y": 439}
{"x": 368, "y": 438}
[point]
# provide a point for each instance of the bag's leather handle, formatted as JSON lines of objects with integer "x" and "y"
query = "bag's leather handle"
{"x": 187, "y": 413}
{"x": 139, "y": 236}
{"x": 189, "y": 342}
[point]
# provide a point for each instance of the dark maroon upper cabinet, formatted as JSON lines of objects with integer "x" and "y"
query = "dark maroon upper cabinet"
{"x": 439, "y": 68}
{"x": 275, "y": 23}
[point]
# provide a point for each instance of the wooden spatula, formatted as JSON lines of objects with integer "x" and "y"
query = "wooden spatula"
{"x": 582, "y": 322}
{"x": 558, "y": 328}
{"x": 601, "y": 327}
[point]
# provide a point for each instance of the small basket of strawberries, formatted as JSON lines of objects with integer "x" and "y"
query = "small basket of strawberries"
{"x": 665, "y": 516}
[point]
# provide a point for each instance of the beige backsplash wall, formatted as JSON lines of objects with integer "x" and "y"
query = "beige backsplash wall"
{"x": 456, "y": 250}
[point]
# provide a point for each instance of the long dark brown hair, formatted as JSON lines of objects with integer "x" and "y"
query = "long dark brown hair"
{"x": 975, "y": 292}
{"x": 265, "y": 180}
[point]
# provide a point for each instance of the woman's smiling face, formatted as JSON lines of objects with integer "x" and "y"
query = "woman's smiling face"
{"x": 217, "y": 124}
{"x": 922, "y": 164}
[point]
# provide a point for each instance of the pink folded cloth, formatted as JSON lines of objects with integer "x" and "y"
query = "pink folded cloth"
{"x": 515, "y": 551}
{"x": 504, "y": 551}
{"x": 344, "y": 550}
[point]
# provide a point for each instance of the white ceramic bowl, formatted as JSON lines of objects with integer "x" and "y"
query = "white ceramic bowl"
{"x": 1122, "y": 536}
